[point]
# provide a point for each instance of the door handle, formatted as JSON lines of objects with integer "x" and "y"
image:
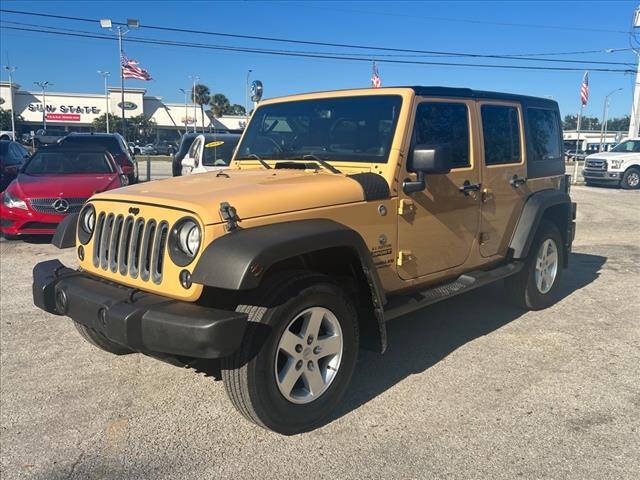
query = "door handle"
{"x": 517, "y": 182}
{"x": 468, "y": 187}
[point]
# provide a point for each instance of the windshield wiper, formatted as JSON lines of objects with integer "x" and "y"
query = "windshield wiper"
{"x": 253, "y": 155}
{"x": 322, "y": 162}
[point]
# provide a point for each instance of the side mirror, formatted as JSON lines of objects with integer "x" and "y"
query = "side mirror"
{"x": 427, "y": 160}
{"x": 124, "y": 180}
{"x": 136, "y": 151}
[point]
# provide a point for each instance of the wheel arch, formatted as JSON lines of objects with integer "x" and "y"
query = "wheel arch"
{"x": 242, "y": 259}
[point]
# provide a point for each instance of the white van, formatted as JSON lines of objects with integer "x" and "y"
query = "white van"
{"x": 619, "y": 166}
{"x": 206, "y": 155}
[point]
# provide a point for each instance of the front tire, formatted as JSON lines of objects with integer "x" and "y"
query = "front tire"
{"x": 536, "y": 286}
{"x": 298, "y": 354}
{"x": 100, "y": 341}
{"x": 631, "y": 179}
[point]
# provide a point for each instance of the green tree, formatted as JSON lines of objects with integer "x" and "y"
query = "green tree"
{"x": 5, "y": 119}
{"x": 570, "y": 122}
{"x": 236, "y": 110}
{"x": 219, "y": 104}
{"x": 140, "y": 128}
{"x": 620, "y": 124}
{"x": 100, "y": 123}
{"x": 201, "y": 95}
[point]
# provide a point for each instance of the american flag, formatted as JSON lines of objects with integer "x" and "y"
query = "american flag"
{"x": 584, "y": 89}
{"x": 130, "y": 69}
{"x": 375, "y": 78}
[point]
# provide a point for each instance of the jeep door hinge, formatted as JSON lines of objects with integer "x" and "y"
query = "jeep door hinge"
{"x": 406, "y": 206}
{"x": 404, "y": 256}
{"x": 229, "y": 216}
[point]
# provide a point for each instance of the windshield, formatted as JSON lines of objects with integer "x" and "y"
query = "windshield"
{"x": 61, "y": 163}
{"x": 353, "y": 129}
{"x": 218, "y": 153}
{"x": 628, "y": 146}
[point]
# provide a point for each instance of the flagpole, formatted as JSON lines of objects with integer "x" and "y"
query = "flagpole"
{"x": 124, "y": 125}
{"x": 575, "y": 159}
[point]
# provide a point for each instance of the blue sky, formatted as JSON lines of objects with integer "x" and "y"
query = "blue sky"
{"x": 71, "y": 63}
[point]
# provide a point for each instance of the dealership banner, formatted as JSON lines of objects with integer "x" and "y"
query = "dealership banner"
{"x": 63, "y": 117}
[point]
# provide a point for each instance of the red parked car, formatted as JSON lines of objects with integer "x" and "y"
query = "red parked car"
{"x": 54, "y": 182}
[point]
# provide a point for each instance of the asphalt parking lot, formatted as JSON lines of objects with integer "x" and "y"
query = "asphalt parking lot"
{"x": 469, "y": 388}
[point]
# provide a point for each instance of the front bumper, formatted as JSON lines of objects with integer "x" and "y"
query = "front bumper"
{"x": 142, "y": 321}
{"x": 601, "y": 175}
{"x": 16, "y": 221}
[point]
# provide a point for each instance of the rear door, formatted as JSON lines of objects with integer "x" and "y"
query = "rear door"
{"x": 503, "y": 173}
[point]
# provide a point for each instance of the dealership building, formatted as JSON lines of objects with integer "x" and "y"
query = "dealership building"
{"x": 75, "y": 112}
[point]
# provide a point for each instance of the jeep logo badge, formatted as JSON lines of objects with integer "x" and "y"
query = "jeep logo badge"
{"x": 134, "y": 210}
{"x": 60, "y": 205}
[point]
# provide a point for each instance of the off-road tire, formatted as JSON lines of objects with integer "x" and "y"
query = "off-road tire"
{"x": 249, "y": 376}
{"x": 98, "y": 340}
{"x": 625, "y": 179}
{"x": 521, "y": 287}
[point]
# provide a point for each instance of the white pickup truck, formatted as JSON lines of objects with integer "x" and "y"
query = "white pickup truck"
{"x": 206, "y": 155}
{"x": 620, "y": 166}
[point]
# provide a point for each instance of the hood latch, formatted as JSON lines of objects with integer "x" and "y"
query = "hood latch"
{"x": 229, "y": 215}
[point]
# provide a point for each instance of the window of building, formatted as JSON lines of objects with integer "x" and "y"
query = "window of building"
{"x": 544, "y": 131}
{"x": 444, "y": 123}
{"x": 501, "y": 133}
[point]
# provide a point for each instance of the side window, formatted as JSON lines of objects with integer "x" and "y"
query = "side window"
{"x": 501, "y": 133}
{"x": 544, "y": 138}
{"x": 194, "y": 148}
{"x": 438, "y": 123}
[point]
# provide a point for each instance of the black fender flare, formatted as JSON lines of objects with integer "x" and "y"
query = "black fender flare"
{"x": 65, "y": 236}
{"x": 238, "y": 260}
{"x": 532, "y": 212}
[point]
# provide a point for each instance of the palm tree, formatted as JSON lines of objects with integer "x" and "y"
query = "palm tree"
{"x": 219, "y": 104}
{"x": 201, "y": 95}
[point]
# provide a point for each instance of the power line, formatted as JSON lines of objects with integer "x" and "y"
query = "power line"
{"x": 315, "y": 56}
{"x": 368, "y": 56}
{"x": 309, "y": 42}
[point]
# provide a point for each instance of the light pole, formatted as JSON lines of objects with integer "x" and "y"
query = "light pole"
{"x": 605, "y": 107}
{"x": 11, "y": 69}
{"x": 122, "y": 31}
{"x": 186, "y": 92}
{"x": 246, "y": 97}
{"x": 106, "y": 93}
{"x": 195, "y": 79}
{"x": 43, "y": 86}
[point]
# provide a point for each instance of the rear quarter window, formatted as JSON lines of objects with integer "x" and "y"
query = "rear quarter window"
{"x": 544, "y": 135}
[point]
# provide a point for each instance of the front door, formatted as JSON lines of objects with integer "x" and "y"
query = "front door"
{"x": 437, "y": 227}
{"x": 503, "y": 174}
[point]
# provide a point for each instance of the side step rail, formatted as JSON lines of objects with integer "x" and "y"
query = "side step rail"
{"x": 402, "y": 304}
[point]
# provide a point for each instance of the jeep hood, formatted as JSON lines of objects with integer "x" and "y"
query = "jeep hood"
{"x": 253, "y": 193}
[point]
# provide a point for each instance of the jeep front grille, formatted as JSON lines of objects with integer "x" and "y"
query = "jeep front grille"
{"x": 596, "y": 164}
{"x": 132, "y": 246}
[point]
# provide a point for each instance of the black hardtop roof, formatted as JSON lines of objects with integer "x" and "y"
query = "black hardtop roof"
{"x": 92, "y": 134}
{"x": 434, "y": 91}
{"x": 71, "y": 147}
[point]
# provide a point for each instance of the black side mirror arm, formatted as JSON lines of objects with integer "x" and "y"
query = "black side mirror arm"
{"x": 410, "y": 187}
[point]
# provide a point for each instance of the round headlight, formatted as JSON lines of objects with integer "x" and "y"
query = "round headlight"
{"x": 184, "y": 241}
{"x": 87, "y": 223}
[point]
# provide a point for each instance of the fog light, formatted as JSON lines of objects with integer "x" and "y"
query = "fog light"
{"x": 62, "y": 302}
{"x": 81, "y": 252}
{"x": 185, "y": 279}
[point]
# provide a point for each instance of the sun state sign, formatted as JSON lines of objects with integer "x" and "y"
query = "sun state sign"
{"x": 64, "y": 113}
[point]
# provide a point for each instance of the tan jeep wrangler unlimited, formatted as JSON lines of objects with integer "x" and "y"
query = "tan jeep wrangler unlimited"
{"x": 340, "y": 211}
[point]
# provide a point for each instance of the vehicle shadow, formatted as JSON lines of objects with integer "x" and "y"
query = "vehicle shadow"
{"x": 421, "y": 339}
{"x": 33, "y": 239}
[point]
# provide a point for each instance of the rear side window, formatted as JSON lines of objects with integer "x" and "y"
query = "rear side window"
{"x": 544, "y": 134}
{"x": 501, "y": 133}
{"x": 448, "y": 123}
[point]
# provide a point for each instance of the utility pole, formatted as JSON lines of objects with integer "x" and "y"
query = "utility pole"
{"x": 43, "y": 86}
{"x": 605, "y": 109}
{"x": 106, "y": 94}
{"x": 634, "y": 121}
{"x": 185, "y": 108}
{"x": 193, "y": 98}
{"x": 122, "y": 31}
{"x": 246, "y": 97}
{"x": 11, "y": 69}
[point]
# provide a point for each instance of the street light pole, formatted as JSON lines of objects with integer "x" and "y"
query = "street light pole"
{"x": 185, "y": 108}
{"x": 106, "y": 94}
{"x": 246, "y": 97}
{"x": 604, "y": 116}
{"x": 11, "y": 69}
{"x": 193, "y": 98}
{"x": 43, "y": 86}
{"x": 122, "y": 31}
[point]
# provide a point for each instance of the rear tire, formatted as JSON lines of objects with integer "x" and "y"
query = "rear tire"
{"x": 257, "y": 377}
{"x": 100, "y": 341}
{"x": 536, "y": 286}
{"x": 631, "y": 179}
